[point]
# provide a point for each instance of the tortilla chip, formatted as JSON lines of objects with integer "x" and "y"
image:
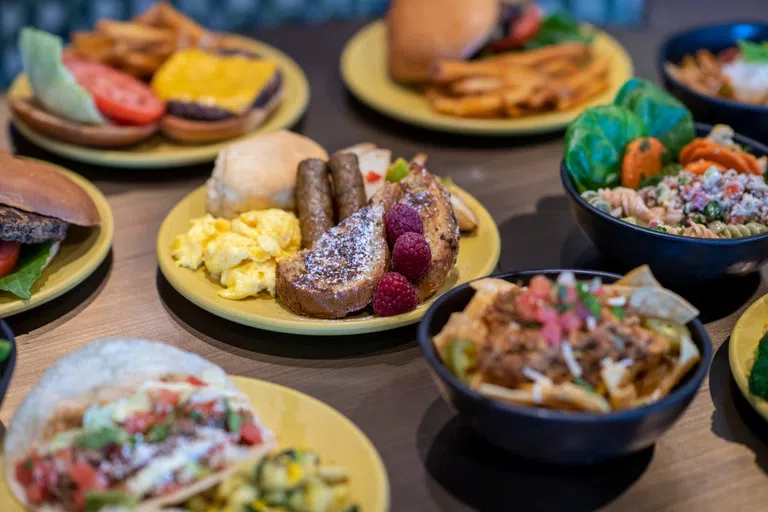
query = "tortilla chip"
{"x": 689, "y": 356}
{"x": 621, "y": 393}
{"x": 460, "y": 325}
{"x": 641, "y": 276}
{"x": 549, "y": 396}
{"x": 492, "y": 284}
{"x": 656, "y": 302}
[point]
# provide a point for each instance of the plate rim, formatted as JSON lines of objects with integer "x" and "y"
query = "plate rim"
{"x": 103, "y": 245}
{"x": 314, "y": 326}
{"x": 739, "y": 375}
{"x": 196, "y": 154}
{"x": 458, "y": 125}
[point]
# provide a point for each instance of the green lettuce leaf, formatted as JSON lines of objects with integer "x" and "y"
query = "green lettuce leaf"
{"x": 663, "y": 115}
{"x": 754, "y": 52}
{"x": 559, "y": 27}
{"x": 594, "y": 145}
{"x": 28, "y": 270}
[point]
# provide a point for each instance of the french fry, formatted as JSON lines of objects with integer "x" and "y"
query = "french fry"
{"x": 572, "y": 51}
{"x": 476, "y": 85}
{"x": 135, "y": 33}
{"x": 482, "y": 105}
{"x": 582, "y": 95}
{"x": 446, "y": 71}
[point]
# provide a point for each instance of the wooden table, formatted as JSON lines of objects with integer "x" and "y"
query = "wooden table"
{"x": 713, "y": 459}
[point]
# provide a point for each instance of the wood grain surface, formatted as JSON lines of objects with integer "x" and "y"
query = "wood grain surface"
{"x": 715, "y": 458}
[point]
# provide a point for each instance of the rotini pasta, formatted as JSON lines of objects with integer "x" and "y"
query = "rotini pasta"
{"x": 699, "y": 231}
{"x": 628, "y": 200}
{"x": 593, "y": 199}
{"x": 723, "y": 230}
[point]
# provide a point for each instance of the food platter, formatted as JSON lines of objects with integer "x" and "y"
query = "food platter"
{"x": 364, "y": 70}
{"x": 478, "y": 255}
{"x": 750, "y": 327}
{"x": 300, "y": 420}
{"x": 161, "y": 152}
{"x": 80, "y": 254}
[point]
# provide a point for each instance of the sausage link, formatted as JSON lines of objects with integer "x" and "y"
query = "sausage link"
{"x": 313, "y": 200}
{"x": 348, "y": 186}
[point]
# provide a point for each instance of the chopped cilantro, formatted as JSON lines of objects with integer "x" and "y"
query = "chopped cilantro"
{"x": 234, "y": 420}
{"x": 103, "y": 437}
{"x": 195, "y": 416}
{"x": 579, "y": 381}
{"x": 618, "y": 312}
{"x": 660, "y": 229}
{"x": 588, "y": 299}
{"x": 158, "y": 433}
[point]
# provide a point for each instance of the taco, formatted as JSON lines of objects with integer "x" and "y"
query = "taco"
{"x": 128, "y": 424}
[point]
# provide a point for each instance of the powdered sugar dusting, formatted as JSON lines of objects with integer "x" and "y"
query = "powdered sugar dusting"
{"x": 345, "y": 252}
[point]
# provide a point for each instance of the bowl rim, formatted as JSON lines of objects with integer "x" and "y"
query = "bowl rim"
{"x": 673, "y": 399}
{"x": 5, "y": 378}
{"x": 565, "y": 177}
{"x": 662, "y": 59}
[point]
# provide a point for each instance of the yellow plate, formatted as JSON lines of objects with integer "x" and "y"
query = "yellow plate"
{"x": 81, "y": 253}
{"x": 364, "y": 69}
{"x": 301, "y": 421}
{"x": 161, "y": 152}
{"x": 745, "y": 337}
{"x": 478, "y": 255}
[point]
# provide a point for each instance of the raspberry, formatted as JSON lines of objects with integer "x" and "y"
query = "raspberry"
{"x": 411, "y": 256}
{"x": 403, "y": 218}
{"x": 394, "y": 295}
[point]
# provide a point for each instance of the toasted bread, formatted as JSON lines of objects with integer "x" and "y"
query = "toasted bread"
{"x": 421, "y": 190}
{"x": 339, "y": 274}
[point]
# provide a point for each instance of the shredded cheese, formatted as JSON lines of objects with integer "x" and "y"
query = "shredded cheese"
{"x": 617, "y": 301}
{"x": 536, "y": 376}
{"x": 570, "y": 360}
{"x": 566, "y": 279}
{"x": 591, "y": 323}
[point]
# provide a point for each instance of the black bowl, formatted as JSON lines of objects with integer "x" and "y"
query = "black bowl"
{"x": 748, "y": 119}
{"x": 7, "y": 366}
{"x": 674, "y": 259}
{"x": 559, "y": 437}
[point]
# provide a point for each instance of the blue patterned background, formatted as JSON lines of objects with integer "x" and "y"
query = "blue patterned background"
{"x": 63, "y": 16}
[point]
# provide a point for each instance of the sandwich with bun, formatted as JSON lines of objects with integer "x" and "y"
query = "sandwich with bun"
{"x": 81, "y": 102}
{"x": 215, "y": 96}
{"x": 37, "y": 206}
{"x": 259, "y": 173}
{"x": 422, "y": 33}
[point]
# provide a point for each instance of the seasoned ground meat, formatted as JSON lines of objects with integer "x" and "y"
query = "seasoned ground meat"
{"x": 511, "y": 346}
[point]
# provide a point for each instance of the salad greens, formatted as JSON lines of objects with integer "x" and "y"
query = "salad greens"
{"x": 559, "y": 27}
{"x": 758, "y": 377}
{"x": 753, "y": 52}
{"x": 28, "y": 270}
{"x": 665, "y": 117}
{"x": 595, "y": 142}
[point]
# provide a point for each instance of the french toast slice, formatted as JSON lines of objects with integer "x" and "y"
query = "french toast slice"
{"x": 422, "y": 191}
{"x": 339, "y": 274}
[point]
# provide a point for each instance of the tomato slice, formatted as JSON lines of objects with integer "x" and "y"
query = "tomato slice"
{"x": 166, "y": 400}
{"x": 9, "y": 256}
{"x": 250, "y": 434}
{"x": 195, "y": 381}
{"x": 118, "y": 95}
{"x": 141, "y": 422}
{"x": 521, "y": 30}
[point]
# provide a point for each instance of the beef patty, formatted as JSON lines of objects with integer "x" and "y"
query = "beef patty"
{"x": 29, "y": 228}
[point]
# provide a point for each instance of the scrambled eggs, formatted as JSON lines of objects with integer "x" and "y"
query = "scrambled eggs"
{"x": 241, "y": 254}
